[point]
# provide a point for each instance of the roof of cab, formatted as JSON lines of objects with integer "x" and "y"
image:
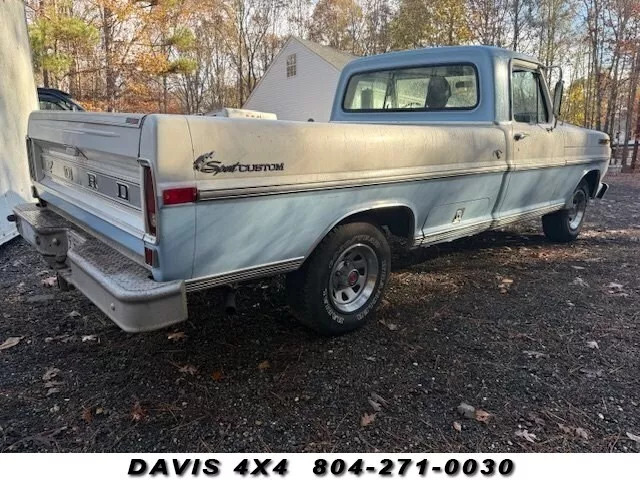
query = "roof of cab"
{"x": 444, "y": 54}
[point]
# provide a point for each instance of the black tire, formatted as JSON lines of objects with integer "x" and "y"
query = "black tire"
{"x": 564, "y": 225}
{"x": 357, "y": 259}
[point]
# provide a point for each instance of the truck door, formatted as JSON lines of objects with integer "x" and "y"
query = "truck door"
{"x": 537, "y": 147}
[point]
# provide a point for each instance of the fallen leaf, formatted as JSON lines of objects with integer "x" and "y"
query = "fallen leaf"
{"x": 564, "y": 429}
{"x": 582, "y": 433}
{"x": 615, "y": 286}
{"x": 457, "y": 427}
{"x": 265, "y": 365}
{"x": 466, "y": 410}
{"x": 89, "y": 338}
{"x": 578, "y": 281}
{"x": 377, "y": 398}
{"x": 367, "y": 419}
{"x": 52, "y": 383}
{"x": 73, "y": 314}
{"x": 592, "y": 373}
{"x": 51, "y": 373}
{"x": 391, "y": 326}
{"x": 529, "y": 437}
{"x": 536, "y": 419}
{"x": 138, "y": 413}
{"x": 534, "y": 354}
{"x": 175, "y": 336}
{"x": 375, "y": 405}
{"x": 99, "y": 411}
{"x": 190, "y": 369}
{"x": 482, "y": 416}
{"x": 635, "y": 438}
{"x": 51, "y": 391}
{"x": 217, "y": 375}
{"x": 87, "y": 415}
{"x": 50, "y": 282}
{"x": 10, "y": 342}
{"x": 593, "y": 344}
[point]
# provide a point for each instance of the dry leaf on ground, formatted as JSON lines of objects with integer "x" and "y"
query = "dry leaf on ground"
{"x": 51, "y": 373}
{"x": 265, "y": 365}
{"x": 529, "y": 437}
{"x": 534, "y": 354}
{"x": 593, "y": 344}
{"x": 89, "y": 338}
{"x": 367, "y": 419}
{"x": 188, "y": 368}
{"x": 175, "y": 336}
{"x": 217, "y": 375}
{"x": 466, "y": 410}
{"x": 635, "y": 438}
{"x": 579, "y": 282}
{"x": 10, "y": 342}
{"x": 482, "y": 416}
{"x": 87, "y": 415}
{"x": 50, "y": 282}
{"x": 457, "y": 427}
{"x": 138, "y": 413}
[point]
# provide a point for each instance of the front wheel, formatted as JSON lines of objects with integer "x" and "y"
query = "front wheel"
{"x": 340, "y": 285}
{"x": 565, "y": 225}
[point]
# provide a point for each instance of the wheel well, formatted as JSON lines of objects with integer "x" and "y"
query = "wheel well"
{"x": 592, "y": 178}
{"x": 398, "y": 219}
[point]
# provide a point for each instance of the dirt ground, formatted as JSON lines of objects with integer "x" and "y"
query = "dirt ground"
{"x": 542, "y": 340}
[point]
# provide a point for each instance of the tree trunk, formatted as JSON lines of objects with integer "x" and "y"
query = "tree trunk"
{"x": 110, "y": 77}
{"x": 634, "y": 159}
{"x": 633, "y": 89}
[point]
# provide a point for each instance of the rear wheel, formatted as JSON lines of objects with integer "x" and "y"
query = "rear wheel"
{"x": 340, "y": 285}
{"x": 565, "y": 225}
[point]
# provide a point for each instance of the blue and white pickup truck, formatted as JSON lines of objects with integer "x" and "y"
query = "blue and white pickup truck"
{"x": 430, "y": 145}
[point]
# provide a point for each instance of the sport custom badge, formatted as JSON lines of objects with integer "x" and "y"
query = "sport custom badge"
{"x": 206, "y": 164}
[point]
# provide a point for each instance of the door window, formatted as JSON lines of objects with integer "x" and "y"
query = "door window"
{"x": 529, "y": 105}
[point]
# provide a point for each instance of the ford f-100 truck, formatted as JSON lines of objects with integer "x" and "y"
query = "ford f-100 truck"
{"x": 430, "y": 145}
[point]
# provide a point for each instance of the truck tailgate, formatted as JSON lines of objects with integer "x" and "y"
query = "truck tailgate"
{"x": 85, "y": 164}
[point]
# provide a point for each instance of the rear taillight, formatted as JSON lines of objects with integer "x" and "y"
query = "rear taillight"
{"x": 176, "y": 196}
{"x": 150, "y": 202}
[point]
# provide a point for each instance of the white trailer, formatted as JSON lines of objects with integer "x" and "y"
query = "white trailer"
{"x": 17, "y": 99}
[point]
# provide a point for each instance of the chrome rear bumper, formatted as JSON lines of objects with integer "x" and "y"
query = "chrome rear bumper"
{"x": 117, "y": 285}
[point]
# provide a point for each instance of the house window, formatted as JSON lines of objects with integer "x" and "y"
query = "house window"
{"x": 291, "y": 65}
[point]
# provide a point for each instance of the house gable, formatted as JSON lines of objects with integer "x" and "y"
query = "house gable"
{"x": 306, "y": 95}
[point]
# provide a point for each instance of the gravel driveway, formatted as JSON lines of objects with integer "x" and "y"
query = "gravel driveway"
{"x": 540, "y": 341}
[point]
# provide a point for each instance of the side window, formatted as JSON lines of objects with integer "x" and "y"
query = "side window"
{"x": 50, "y": 105}
{"x": 529, "y": 105}
{"x": 429, "y": 88}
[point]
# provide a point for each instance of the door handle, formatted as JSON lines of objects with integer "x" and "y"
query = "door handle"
{"x": 520, "y": 136}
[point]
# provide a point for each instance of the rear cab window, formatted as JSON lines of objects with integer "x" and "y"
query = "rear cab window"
{"x": 413, "y": 89}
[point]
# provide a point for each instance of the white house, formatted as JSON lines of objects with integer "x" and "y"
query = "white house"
{"x": 300, "y": 82}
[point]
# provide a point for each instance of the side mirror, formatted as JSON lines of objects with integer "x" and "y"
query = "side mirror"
{"x": 557, "y": 98}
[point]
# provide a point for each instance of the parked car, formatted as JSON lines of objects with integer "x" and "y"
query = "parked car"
{"x": 430, "y": 145}
{"x": 54, "y": 99}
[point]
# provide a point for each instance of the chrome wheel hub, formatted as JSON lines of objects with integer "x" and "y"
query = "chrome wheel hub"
{"x": 353, "y": 278}
{"x": 576, "y": 213}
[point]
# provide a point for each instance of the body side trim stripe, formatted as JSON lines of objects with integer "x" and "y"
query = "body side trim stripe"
{"x": 222, "y": 194}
